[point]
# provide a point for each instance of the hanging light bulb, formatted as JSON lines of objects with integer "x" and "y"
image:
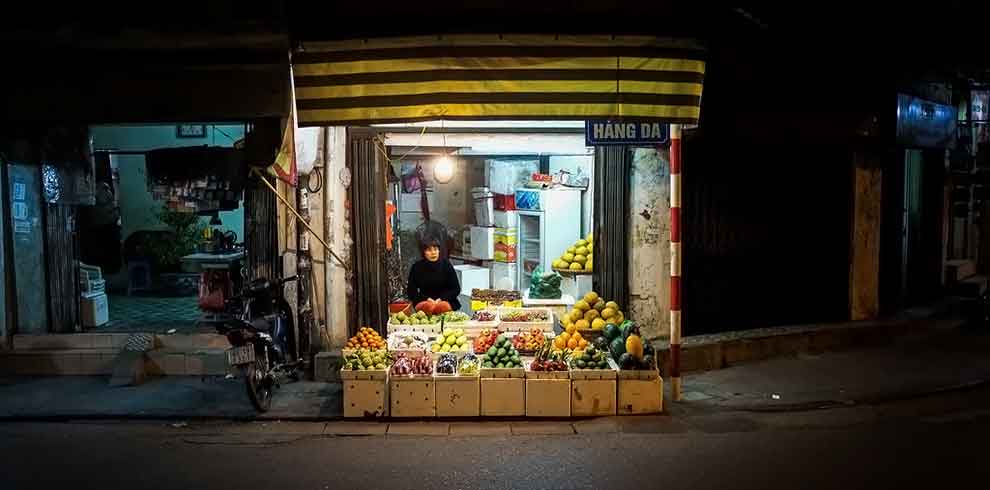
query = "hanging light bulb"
{"x": 443, "y": 169}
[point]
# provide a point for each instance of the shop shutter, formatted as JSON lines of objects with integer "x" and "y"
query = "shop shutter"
{"x": 497, "y": 77}
{"x": 612, "y": 222}
{"x": 261, "y": 230}
{"x": 367, "y": 195}
{"x": 60, "y": 252}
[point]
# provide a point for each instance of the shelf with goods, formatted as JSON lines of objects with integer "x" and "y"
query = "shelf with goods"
{"x": 526, "y": 319}
{"x": 494, "y": 374}
{"x": 490, "y": 299}
{"x": 578, "y": 258}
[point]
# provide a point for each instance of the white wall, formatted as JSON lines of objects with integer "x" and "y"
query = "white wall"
{"x": 649, "y": 260}
{"x": 586, "y": 163}
{"x": 137, "y": 208}
{"x": 337, "y": 234}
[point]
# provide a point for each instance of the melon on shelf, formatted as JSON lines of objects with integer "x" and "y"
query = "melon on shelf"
{"x": 580, "y": 257}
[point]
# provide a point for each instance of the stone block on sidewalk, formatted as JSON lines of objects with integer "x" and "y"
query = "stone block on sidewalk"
{"x": 704, "y": 357}
{"x": 326, "y": 367}
{"x": 129, "y": 369}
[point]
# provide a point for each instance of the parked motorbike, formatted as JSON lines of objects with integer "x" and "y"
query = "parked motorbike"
{"x": 260, "y": 329}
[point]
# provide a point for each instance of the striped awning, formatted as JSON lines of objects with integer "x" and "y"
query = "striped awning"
{"x": 478, "y": 77}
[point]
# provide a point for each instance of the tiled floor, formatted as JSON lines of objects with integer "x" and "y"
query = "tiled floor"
{"x": 153, "y": 314}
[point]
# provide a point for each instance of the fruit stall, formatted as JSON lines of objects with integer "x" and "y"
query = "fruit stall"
{"x": 502, "y": 361}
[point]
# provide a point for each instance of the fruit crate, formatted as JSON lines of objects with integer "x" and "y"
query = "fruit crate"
{"x": 530, "y": 374}
{"x": 351, "y": 352}
{"x": 641, "y": 374}
{"x": 639, "y": 395}
{"x": 548, "y": 397}
{"x": 365, "y": 393}
{"x": 519, "y": 372}
{"x": 397, "y": 347}
{"x": 366, "y": 374}
{"x": 503, "y": 397}
{"x": 412, "y": 395}
{"x": 510, "y": 326}
{"x": 458, "y": 395}
{"x": 581, "y": 272}
{"x": 593, "y": 397}
{"x": 530, "y": 352}
{"x": 365, "y": 399}
{"x": 592, "y": 374}
{"x": 429, "y": 329}
{"x": 474, "y": 327}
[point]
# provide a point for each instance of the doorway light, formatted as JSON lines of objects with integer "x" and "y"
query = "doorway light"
{"x": 443, "y": 169}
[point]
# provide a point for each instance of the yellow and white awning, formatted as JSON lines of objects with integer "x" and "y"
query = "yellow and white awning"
{"x": 494, "y": 77}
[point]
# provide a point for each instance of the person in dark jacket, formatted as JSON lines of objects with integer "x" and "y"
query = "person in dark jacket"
{"x": 433, "y": 277}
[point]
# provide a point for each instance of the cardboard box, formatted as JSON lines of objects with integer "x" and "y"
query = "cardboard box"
{"x": 636, "y": 396}
{"x": 413, "y": 396}
{"x": 548, "y": 397}
{"x": 94, "y": 309}
{"x": 593, "y": 397}
{"x": 458, "y": 396}
{"x": 483, "y": 242}
{"x": 506, "y": 236}
{"x": 365, "y": 398}
{"x": 503, "y": 397}
{"x": 507, "y": 219}
{"x": 473, "y": 277}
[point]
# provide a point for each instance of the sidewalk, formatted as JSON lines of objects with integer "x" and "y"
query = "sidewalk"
{"x": 165, "y": 397}
{"x": 950, "y": 358}
{"x": 946, "y": 358}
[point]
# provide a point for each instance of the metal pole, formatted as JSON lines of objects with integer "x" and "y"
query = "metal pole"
{"x": 675, "y": 261}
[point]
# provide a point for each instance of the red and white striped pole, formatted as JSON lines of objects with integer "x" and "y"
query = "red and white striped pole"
{"x": 675, "y": 261}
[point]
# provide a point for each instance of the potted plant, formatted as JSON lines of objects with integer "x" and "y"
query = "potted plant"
{"x": 185, "y": 230}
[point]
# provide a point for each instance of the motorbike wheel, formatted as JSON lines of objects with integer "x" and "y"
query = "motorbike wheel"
{"x": 259, "y": 386}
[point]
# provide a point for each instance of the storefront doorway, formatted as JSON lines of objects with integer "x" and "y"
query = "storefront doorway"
{"x": 145, "y": 255}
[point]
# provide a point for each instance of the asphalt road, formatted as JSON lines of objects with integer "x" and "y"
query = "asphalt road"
{"x": 931, "y": 443}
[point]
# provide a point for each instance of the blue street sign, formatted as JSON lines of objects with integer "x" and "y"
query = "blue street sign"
{"x": 646, "y": 133}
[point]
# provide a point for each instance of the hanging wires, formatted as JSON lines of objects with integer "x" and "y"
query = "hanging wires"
{"x": 380, "y": 146}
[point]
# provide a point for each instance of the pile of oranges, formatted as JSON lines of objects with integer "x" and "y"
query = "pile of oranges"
{"x": 366, "y": 338}
{"x": 571, "y": 339}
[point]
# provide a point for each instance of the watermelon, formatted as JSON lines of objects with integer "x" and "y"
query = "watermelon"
{"x": 611, "y": 331}
{"x": 601, "y": 342}
{"x": 617, "y": 347}
{"x": 627, "y": 328}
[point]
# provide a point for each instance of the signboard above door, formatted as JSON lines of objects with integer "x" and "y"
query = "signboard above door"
{"x": 632, "y": 133}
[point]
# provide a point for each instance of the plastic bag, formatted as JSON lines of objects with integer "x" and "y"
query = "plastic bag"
{"x": 545, "y": 285}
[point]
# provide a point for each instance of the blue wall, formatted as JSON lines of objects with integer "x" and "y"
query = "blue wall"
{"x": 137, "y": 208}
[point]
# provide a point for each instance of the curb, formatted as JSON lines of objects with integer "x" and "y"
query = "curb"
{"x": 164, "y": 418}
{"x": 868, "y": 400}
{"x": 713, "y": 352}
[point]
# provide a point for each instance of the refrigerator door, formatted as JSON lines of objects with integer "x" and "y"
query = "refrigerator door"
{"x": 532, "y": 245}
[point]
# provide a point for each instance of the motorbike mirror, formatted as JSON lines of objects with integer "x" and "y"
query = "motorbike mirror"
{"x": 244, "y": 272}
